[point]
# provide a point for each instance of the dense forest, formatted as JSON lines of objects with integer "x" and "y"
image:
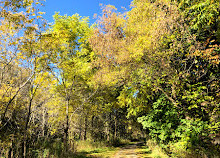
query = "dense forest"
{"x": 149, "y": 73}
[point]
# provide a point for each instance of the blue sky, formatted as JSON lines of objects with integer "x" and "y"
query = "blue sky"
{"x": 82, "y": 7}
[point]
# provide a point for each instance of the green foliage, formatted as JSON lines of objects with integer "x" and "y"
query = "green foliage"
{"x": 168, "y": 127}
{"x": 161, "y": 121}
{"x": 202, "y": 15}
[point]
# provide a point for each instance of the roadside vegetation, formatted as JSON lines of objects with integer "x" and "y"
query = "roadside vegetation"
{"x": 96, "y": 149}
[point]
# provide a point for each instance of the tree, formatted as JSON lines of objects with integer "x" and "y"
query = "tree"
{"x": 69, "y": 39}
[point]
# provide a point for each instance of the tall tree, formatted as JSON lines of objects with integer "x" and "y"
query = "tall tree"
{"x": 69, "y": 39}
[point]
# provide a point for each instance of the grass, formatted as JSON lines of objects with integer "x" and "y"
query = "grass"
{"x": 144, "y": 152}
{"x": 90, "y": 149}
{"x": 151, "y": 150}
{"x": 94, "y": 149}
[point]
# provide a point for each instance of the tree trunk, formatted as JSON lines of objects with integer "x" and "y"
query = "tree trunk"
{"x": 43, "y": 122}
{"x": 24, "y": 144}
{"x": 108, "y": 128}
{"x": 86, "y": 126}
{"x": 115, "y": 131}
{"x": 92, "y": 124}
{"x": 10, "y": 153}
{"x": 66, "y": 128}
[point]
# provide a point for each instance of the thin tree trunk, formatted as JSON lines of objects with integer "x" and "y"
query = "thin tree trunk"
{"x": 115, "y": 131}
{"x": 86, "y": 126}
{"x": 43, "y": 126}
{"x": 10, "y": 155}
{"x": 27, "y": 121}
{"x": 26, "y": 128}
{"x": 92, "y": 132}
{"x": 66, "y": 129}
{"x": 108, "y": 128}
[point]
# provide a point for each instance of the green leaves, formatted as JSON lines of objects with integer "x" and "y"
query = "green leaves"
{"x": 201, "y": 14}
{"x": 161, "y": 121}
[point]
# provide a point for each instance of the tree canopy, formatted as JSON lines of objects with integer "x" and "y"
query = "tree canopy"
{"x": 152, "y": 71}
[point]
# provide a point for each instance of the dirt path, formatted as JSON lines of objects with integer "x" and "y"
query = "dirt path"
{"x": 128, "y": 151}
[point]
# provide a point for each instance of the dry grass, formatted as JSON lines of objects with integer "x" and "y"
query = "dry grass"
{"x": 95, "y": 149}
{"x": 151, "y": 151}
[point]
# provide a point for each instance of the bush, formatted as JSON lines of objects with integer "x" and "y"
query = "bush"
{"x": 178, "y": 135}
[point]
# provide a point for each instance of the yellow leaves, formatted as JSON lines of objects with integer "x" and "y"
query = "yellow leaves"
{"x": 20, "y": 55}
{"x": 7, "y": 90}
{"x": 53, "y": 131}
{"x": 44, "y": 79}
{"x": 41, "y": 13}
{"x": 39, "y": 17}
{"x": 6, "y": 3}
{"x": 146, "y": 25}
{"x": 39, "y": 79}
{"x": 56, "y": 113}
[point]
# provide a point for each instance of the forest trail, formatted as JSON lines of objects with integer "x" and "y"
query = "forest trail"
{"x": 129, "y": 151}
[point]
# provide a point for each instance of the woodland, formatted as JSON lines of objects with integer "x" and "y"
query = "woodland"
{"x": 150, "y": 73}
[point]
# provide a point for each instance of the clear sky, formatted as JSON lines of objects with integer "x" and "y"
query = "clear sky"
{"x": 82, "y": 7}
